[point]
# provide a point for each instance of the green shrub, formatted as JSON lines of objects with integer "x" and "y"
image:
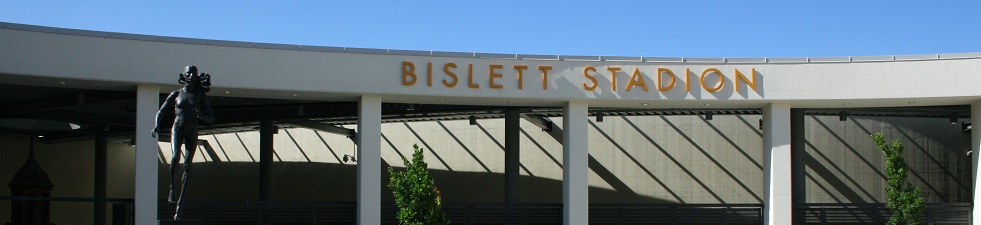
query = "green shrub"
{"x": 904, "y": 198}
{"x": 415, "y": 193}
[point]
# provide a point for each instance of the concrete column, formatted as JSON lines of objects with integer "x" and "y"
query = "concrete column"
{"x": 100, "y": 173}
{"x": 369, "y": 160}
{"x": 266, "y": 152}
{"x": 145, "y": 196}
{"x": 975, "y": 147}
{"x": 512, "y": 154}
{"x": 575, "y": 171}
{"x": 777, "y": 167}
{"x": 798, "y": 151}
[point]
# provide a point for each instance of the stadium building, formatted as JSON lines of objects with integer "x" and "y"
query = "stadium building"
{"x": 304, "y": 134}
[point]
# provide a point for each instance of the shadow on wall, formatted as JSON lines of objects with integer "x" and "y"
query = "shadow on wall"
{"x": 311, "y": 181}
{"x": 632, "y": 159}
{"x": 844, "y": 166}
{"x": 624, "y": 169}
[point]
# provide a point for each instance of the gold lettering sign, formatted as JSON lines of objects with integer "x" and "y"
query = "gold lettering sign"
{"x": 664, "y": 79}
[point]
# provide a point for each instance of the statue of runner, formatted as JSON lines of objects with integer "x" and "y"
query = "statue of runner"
{"x": 190, "y": 105}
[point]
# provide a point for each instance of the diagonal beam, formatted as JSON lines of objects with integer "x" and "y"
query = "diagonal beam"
{"x": 546, "y": 124}
{"x": 83, "y": 118}
{"x": 350, "y": 133}
{"x": 208, "y": 149}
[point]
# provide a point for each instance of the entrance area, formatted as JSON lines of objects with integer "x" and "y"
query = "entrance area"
{"x": 645, "y": 165}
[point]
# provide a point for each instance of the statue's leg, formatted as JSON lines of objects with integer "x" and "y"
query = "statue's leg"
{"x": 175, "y": 141}
{"x": 190, "y": 147}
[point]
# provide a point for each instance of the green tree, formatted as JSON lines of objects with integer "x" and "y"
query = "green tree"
{"x": 904, "y": 198}
{"x": 415, "y": 193}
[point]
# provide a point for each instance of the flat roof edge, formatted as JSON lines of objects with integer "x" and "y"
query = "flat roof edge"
{"x": 638, "y": 59}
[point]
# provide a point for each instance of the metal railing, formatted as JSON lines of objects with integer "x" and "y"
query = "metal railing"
{"x": 675, "y": 214}
{"x": 120, "y": 210}
{"x": 264, "y": 212}
{"x": 877, "y": 213}
{"x": 318, "y": 212}
{"x": 282, "y": 212}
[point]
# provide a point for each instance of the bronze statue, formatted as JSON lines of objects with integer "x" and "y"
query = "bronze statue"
{"x": 190, "y": 105}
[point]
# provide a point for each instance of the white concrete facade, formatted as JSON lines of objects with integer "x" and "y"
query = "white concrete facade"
{"x": 777, "y": 204}
{"x": 111, "y": 61}
{"x": 369, "y": 159}
{"x": 975, "y": 150}
{"x": 575, "y": 186}
{"x": 147, "y": 103}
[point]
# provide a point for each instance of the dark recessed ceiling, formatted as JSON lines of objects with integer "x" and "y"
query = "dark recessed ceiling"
{"x": 116, "y": 110}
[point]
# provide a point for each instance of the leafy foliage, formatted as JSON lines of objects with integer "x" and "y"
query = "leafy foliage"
{"x": 904, "y": 198}
{"x": 415, "y": 193}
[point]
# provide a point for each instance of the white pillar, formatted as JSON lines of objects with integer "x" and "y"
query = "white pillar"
{"x": 975, "y": 146}
{"x": 575, "y": 187}
{"x": 369, "y": 160}
{"x": 145, "y": 196}
{"x": 778, "y": 202}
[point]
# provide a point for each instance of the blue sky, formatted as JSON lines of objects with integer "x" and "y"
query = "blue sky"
{"x": 611, "y": 28}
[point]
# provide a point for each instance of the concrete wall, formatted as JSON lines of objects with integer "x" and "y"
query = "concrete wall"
{"x": 845, "y": 166}
{"x": 633, "y": 159}
{"x": 650, "y": 159}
